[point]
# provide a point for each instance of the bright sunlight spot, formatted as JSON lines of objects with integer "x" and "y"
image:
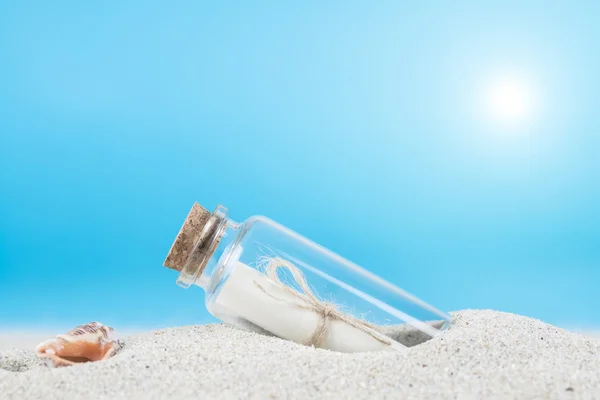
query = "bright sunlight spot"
{"x": 509, "y": 100}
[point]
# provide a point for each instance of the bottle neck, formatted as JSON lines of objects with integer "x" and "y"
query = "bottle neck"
{"x": 219, "y": 259}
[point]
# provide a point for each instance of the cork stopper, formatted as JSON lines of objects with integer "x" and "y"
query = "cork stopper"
{"x": 188, "y": 236}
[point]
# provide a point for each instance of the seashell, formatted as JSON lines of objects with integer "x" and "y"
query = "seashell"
{"x": 88, "y": 342}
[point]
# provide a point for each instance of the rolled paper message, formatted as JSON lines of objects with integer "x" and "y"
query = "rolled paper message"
{"x": 281, "y": 310}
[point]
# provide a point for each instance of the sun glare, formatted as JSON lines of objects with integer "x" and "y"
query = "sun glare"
{"x": 509, "y": 100}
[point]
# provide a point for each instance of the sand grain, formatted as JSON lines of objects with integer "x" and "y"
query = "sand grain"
{"x": 486, "y": 354}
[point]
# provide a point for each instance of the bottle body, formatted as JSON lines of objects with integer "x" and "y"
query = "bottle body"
{"x": 264, "y": 276}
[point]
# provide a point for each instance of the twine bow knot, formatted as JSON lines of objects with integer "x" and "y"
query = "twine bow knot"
{"x": 308, "y": 301}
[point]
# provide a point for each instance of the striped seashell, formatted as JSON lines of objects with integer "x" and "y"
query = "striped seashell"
{"x": 88, "y": 342}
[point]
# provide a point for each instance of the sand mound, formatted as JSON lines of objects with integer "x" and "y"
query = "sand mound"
{"x": 486, "y": 354}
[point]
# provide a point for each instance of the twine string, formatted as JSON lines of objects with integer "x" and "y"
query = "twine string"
{"x": 308, "y": 301}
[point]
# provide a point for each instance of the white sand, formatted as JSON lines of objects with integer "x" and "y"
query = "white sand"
{"x": 486, "y": 354}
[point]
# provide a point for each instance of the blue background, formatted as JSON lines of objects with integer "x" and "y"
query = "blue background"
{"x": 353, "y": 123}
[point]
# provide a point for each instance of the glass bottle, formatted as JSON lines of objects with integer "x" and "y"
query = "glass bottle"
{"x": 260, "y": 275}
